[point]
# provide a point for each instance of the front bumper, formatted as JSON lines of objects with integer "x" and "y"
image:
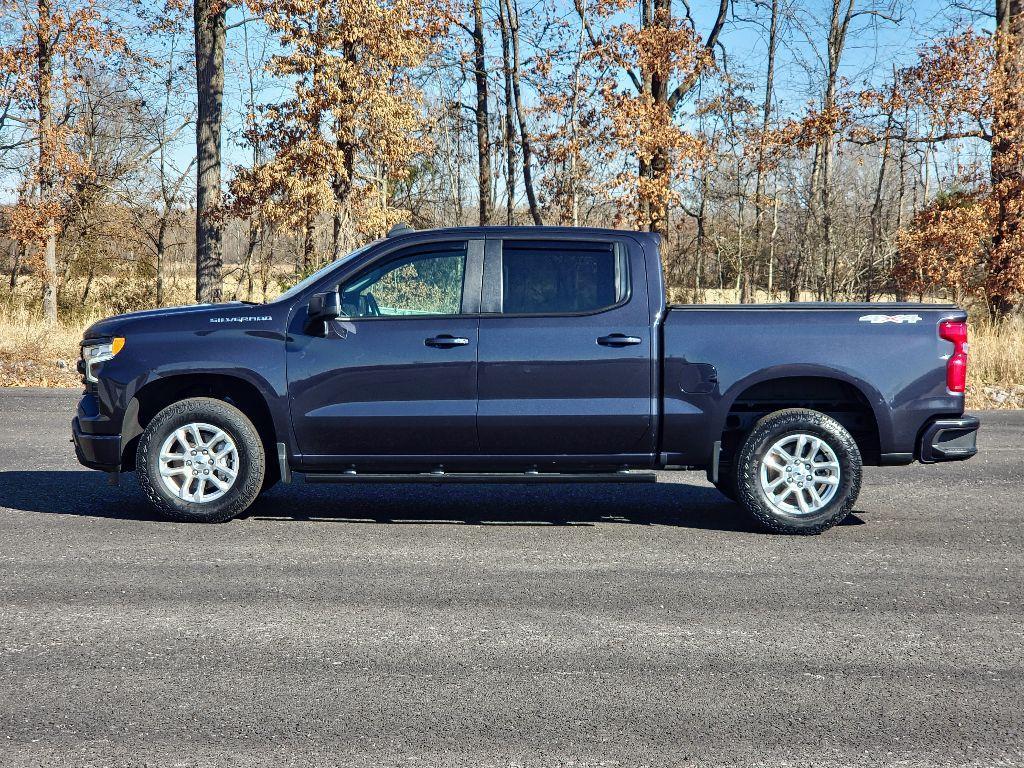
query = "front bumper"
{"x": 101, "y": 452}
{"x": 949, "y": 440}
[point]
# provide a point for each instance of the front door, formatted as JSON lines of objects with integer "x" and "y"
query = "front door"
{"x": 566, "y": 351}
{"x": 396, "y": 375}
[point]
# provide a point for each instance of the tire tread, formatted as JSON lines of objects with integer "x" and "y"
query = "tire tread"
{"x": 241, "y": 496}
{"x": 747, "y": 471}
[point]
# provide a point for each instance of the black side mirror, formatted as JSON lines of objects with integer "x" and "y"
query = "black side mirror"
{"x": 324, "y": 306}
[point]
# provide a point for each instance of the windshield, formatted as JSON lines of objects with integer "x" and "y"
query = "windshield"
{"x": 303, "y": 284}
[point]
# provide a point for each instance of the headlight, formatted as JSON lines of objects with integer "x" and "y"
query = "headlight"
{"x": 100, "y": 352}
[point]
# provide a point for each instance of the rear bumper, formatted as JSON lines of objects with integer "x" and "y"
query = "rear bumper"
{"x": 101, "y": 452}
{"x": 949, "y": 440}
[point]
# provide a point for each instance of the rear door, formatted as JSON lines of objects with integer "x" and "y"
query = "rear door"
{"x": 565, "y": 361}
{"x": 397, "y": 375}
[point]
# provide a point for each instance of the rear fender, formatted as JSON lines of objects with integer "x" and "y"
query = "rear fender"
{"x": 876, "y": 401}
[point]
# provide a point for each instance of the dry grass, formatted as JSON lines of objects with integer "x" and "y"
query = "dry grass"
{"x": 33, "y": 354}
{"x": 995, "y": 369}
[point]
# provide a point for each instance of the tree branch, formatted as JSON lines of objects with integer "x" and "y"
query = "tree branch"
{"x": 709, "y": 45}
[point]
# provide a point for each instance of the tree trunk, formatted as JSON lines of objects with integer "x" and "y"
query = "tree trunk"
{"x": 161, "y": 256}
{"x": 88, "y": 285}
{"x": 250, "y": 253}
{"x": 16, "y": 249}
{"x": 744, "y": 269}
{"x": 796, "y": 266}
{"x": 340, "y": 240}
{"x": 1007, "y": 148}
{"x": 574, "y": 151}
{"x": 308, "y": 242}
{"x": 512, "y": 12}
{"x": 657, "y": 81}
{"x": 210, "y": 32}
{"x": 766, "y": 113}
{"x": 876, "y": 208}
{"x": 44, "y": 95}
{"x": 509, "y": 137}
{"x": 483, "y": 140}
{"x": 838, "y": 27}
{"x": 698, "y": 290}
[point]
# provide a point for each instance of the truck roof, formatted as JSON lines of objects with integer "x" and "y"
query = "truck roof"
{"x": 404, "y": 230}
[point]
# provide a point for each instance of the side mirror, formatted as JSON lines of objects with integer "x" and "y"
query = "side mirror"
{"x": 324, "y": 306}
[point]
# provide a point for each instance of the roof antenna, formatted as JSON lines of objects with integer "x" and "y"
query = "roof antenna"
{"x": 401, "y": 228}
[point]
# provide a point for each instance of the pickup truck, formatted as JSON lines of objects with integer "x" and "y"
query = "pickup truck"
{"x": 506, "y": 354}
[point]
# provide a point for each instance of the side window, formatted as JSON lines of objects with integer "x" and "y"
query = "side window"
{"x": 562, "y": 277}
{"x": 421, "y": 281}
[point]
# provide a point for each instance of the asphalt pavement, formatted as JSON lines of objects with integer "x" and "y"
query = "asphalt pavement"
{"x": 577, "y": 625}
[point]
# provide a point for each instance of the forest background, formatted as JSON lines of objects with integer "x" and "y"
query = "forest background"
{"x": 157, "y": 153}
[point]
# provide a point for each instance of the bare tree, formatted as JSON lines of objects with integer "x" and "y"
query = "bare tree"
{"x": 510, "y": 9}
{"x": 44, "y": 102}
{"x": 482, "y": 113}
{"x": 210, "y": 36}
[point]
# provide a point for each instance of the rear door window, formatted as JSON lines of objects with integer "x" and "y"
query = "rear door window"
{"x": 562, "y": 277}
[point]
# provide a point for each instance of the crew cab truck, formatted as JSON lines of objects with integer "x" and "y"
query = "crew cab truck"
{"x": 520, "y": 354}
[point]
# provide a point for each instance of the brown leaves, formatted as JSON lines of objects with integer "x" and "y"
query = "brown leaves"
{"x": 946, "y": 246}
{"x": 664, "y": 58}
{"x": 350, "y": 125}
{"x": 42, "y": 73}
{"x": 970, "y": 84}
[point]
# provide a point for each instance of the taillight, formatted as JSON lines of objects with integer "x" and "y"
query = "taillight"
{"x": 956, "y": 367}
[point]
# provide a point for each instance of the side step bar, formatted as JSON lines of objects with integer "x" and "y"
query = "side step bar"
{"x": 483, "y": 477}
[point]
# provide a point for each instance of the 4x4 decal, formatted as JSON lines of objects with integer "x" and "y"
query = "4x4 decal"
{"x": 878, "y": 319}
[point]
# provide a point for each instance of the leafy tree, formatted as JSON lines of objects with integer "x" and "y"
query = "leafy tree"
{"x": 347, "y": 129}
{"x": 54, "y": 46}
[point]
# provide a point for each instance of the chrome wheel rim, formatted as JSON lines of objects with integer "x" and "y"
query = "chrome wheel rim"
{"x": 800, "y": 474}
{"x": 199, "y": 462}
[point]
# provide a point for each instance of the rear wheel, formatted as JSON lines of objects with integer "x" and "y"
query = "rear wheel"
{"x": 201, "y": 460}
{"x": 798, "y": 471}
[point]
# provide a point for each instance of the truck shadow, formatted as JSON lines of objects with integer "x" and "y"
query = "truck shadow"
{"x": 87, "y": 494}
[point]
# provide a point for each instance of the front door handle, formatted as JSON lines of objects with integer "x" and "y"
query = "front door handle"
{"x": 619, "y": 340}
{"x": 446, "y": 341}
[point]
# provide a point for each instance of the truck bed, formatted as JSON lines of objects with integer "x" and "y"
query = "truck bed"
{"x": 886, "y": 358}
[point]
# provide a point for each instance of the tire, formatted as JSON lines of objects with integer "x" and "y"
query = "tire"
{"x": 190, "y": 431}
{"x": 794, "y": 509}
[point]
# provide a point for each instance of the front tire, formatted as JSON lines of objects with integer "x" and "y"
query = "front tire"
{"x": 798, "y": 472}
{"x": 201, "y": 460}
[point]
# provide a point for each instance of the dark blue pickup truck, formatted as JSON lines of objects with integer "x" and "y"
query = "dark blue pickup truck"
{"x": 533, "y": 354}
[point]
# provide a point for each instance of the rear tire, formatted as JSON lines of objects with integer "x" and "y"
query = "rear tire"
{"x": 201, "y": 460}
{"x": 798, "y": 472}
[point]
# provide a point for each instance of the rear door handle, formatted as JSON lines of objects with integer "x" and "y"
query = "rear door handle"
{"x": 619, "y": 340}
{"x": 446, "y": 341}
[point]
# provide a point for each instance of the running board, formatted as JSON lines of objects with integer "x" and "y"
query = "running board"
{"x": 483, "y": 477}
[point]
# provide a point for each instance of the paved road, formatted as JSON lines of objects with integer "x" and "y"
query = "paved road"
{"x": 507, "y": 626}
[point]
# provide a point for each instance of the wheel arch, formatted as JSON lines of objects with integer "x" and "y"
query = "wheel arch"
{"x": 158, "y": 393}
{"x": 856, "y": 404}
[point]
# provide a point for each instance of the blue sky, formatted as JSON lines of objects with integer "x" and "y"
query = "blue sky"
{"x": 875, "y": 45}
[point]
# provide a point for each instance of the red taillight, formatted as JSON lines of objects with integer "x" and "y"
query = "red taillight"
{"x": 956, "y": 367}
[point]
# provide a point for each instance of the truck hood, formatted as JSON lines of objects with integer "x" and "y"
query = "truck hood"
{"x": 110, "y": 326}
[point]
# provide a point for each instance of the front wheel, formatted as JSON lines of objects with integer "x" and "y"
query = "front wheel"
{"x": 201, "y": 460}
{"x": 798, "y": 471}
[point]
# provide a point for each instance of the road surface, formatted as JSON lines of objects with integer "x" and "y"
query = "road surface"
{"x": 578, "y": 625}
